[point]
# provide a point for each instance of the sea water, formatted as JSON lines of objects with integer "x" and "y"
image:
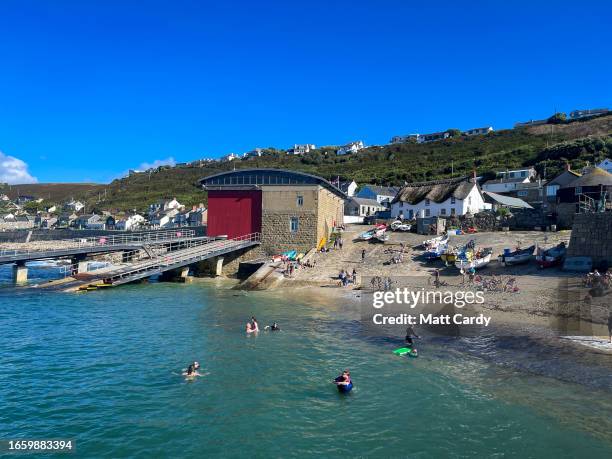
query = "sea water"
{"x": 104, "y": 368}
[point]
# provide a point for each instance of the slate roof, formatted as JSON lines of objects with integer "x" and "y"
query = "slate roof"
{"x": 594, "y": 177}
{"x": 506, "y": 200}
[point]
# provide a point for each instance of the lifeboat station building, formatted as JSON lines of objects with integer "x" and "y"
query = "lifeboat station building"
{"x": 292, "y": 210}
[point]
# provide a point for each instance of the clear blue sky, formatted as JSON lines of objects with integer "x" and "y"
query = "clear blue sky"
{"x": 89, "y": 89}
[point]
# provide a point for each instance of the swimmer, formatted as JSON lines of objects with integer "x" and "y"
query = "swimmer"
{"x": 344, "y": 379}
{"x": 250, "y": 328}
{"x": 273, "y": 327}
{"x": 191, "y": 371}
{"x": 254, "y": 324}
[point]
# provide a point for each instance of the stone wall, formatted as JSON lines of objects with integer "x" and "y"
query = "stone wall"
{"x": 330, "y": 213}
{"x": 566, "y": 211}
{"x": 276, "y": 234}
{"x": 592, "y": 237}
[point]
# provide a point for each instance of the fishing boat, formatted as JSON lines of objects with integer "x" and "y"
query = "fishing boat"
{"x": 435, "y": 242}
{"x": 517, "y": 257}
{"x": 369, "y": 234}
{"x": 381, "y": 237}
{"x": 435, "y": 252}
{"x": 471, "y": 259}
{"x": 449, "y": 255}
{"x": 551, "y": 257}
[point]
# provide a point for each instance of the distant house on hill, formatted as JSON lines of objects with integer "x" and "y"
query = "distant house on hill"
{"x": 448, "y": 197}
{"x": 478, "y": 131}
{"x": 509, "y": 180}
{"x": 300, "y": 149}
{"x": 229, "y": 157}
{"x": 383, "y": 194}
{"x": 163, "y": 205}
{"x": 424, "y": 138}
{"x": 529, "y": 123}
{"x": 404, "y": 138}
{"x": 577, "y": 114}
{"x": 74, "y": 206}
{"x": 351, "y": 147}
{"x": 24, "y": 199}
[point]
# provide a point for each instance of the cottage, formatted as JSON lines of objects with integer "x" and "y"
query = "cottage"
{"x": 351, "y": 147}
{"x": 348, "y": 187}
{"x": 383, "y": 194}
{"x": 130, "y": 223}
{"x": 439, "y": 198}
{"x": 498, "y": 201}
{"x": 424, "y": 138}
{"x": 291, "y": 210}
{"x": 90, "y": 221}
{"x": 561, "y": 180}
{"x": 229, "y": 157}
{"x": 606, "y": 165}
{"x": 164, "y": 218}
{"x": 74, "y": 206}
{"x": 577, "y": 114}
{"x": 164, "y": 205}
{"x": 362, "y": 207}
{"x": 589, "y": 193}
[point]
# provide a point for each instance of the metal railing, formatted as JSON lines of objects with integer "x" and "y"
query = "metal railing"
{"x": 106, "y": 241}
{"x": 196, "y": 250}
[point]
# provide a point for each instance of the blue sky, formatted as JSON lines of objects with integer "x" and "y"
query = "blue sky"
{"x": 89, "y": 89}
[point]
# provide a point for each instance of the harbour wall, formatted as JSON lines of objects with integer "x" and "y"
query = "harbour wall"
{"x": 592, "y": 237}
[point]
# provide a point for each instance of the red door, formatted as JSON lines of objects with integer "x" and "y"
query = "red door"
{"x": 234, "y": 212}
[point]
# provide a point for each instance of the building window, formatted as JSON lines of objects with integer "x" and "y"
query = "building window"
{"x": 410, "y": 214}
{"x": 452, "y": 211}
{"x": 452, "y": 200}
{"x": 578, "y": 190}
{"x": 427, "y": 212}
{"x": 294, "y": 224}
{"x": 442, "y": 211}
{"x": 300, "y": 201}
{"x": 426, "y": 202}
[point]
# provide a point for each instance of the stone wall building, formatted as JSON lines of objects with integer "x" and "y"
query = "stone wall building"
{"x": 292, "y": 210}
{"x": 592, "y": 237}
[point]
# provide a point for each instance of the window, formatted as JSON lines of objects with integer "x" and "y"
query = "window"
{"x": 523, "y": 174}
{"x": 410, "y": 214}
{"x": 578, "y": 190}
{"x": 426, "y": 202}
{"x": 442, "y": 211}
{"x": 294, "y": 224}
{"x": 452, "y": 211}
{"x": 300, "y": 201}
{"x": 427, "y": 212}
{"x": 452, "y": 200}
{"x": 522, "y": 193}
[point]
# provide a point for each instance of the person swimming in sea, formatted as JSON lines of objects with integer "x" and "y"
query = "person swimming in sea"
{"x": 250, "y": 328}
{"x": 254, "y": 324}
{"x": 192, "y": 370}
{"x": 273, "y": 327}
{"x": 344, "y": 379}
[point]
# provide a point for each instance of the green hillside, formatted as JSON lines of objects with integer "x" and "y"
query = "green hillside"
{"x": 547, "y": 148}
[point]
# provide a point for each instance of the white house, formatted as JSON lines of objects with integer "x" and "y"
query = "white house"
{"x": 300, "y": 149}
{"x": 478, "y": 131}
{"x": 438, "y": 198}
{"x": 229, "y": 157}
{"x": 253, "y": 153}
{"x": 348, "y": 187}
{"x": 606, "y": 165}
{"x": 164, "y": 218}
{"x": 509, "y": 180}
{"x": 75, "y": 206}
{"x": 351, "y": 147}
{"x": 163, "y": 205}
{"x": 424, "y": 138}
{"x": 130, "y": 223}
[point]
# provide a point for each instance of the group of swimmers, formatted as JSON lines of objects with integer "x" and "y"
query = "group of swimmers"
{"x": 253, "y": 327}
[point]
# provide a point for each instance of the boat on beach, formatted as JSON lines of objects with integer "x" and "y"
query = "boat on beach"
{"x": 435, "y": 252}
{"x": 475, "y": 260}
{"x": 435, "y": 242}
{"x": 553, "y": 256}
{"x": 369, "y": 234}
{"x": 398, "y": 225}
{"x": 517, "y": 257}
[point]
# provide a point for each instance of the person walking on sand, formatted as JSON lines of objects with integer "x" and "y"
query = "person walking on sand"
{"x": 354, "y": 276}
{"x": 363, "y": 254}
{"x": 341, "y": 243}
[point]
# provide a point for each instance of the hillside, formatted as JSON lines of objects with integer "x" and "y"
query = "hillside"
{"x": 52, "y": 192}
{"x": 547, "y": 148}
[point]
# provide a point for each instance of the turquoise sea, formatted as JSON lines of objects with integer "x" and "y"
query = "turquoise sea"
{"x": 103, "y": 368}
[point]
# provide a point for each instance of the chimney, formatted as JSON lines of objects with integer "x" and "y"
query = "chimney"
{"x": 567, "y": 167}
{"x": 474, "y": 173}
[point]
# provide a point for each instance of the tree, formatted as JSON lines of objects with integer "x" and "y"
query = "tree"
{"x": 557, "y": 118}
{"x": 454, "y": 132}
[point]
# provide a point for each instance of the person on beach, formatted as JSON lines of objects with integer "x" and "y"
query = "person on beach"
{"x": 363, "y": 254}
{"x": 354, "y": 276}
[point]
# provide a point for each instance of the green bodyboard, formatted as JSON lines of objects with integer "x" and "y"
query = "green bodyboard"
{"x": 402, "y": 351}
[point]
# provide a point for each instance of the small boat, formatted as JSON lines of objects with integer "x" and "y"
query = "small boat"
{"x": 517, "y": 257}
{"x": 381, "y": 237}
{"x": 551, "y": 257}
{"x": 435, "y": 252}
{"x": 469, "y": 259}
{"x": 433, "y": 241}
{"x": 398, "y": 225}
{"x": 373, "y": 232}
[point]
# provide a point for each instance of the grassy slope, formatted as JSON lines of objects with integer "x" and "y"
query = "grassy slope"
{"x": 550, "y": 146}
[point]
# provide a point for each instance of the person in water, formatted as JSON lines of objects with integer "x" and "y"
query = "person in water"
{"x": 410, "y": 335}
{"x": 344, "y": 379}
{"x": 273, "y": 327}
{"x": 250, "y": 328}
{"x": 192, "y": 370}
{"x": 254, "y": 324}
